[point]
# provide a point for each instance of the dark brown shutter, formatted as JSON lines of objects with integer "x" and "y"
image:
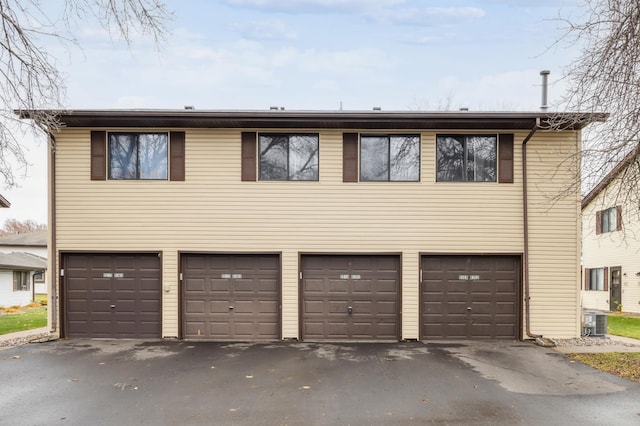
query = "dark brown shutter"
{"x": 349, "y": 157}
{"x": 599, "y": 223}
{"x": 248, "y": 156}
{"x": 505, "y": 156}
{"x": 176, "y": 155}
{"x": 98, "y": 155}
{"x": 618, "y": 218}
{"x": 606, "y": 279}
{"x": 587, "y": 277}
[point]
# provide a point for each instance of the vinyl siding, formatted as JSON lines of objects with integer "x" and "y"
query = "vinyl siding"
{"x": 554, "y": 234}
{"x": 611, "y": 249}
{"x": 214, "y": 211}
{"x": 8, "y": 297}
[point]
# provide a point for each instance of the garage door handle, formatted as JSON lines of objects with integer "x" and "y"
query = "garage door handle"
{"x": 468, "y": 308}
{"x": 349, "y": 310}
{"x": 113, "y": 306}
{"x": 231, "y": 308}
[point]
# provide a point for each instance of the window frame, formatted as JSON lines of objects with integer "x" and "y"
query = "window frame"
{"x": 40, "y": 274}
{"x": 389, "y": 137}
{"x": 597, "y": 279}
{"x": 604, "y": 222}
{"x": 288, "y": 136}
{"x": 465, "y": 155}
{"x": 20, "y": 284}
{"x": 137, "y": 177}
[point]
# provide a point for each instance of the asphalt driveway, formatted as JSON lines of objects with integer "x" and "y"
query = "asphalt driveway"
{"x": 104, "y": 382}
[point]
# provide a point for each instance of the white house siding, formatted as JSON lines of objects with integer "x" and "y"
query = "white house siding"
{"x": 213, "y": 211}
{"x": 8, "y": 297}
{"x": 611, "y": 249}
{"x": 38, "y": 251}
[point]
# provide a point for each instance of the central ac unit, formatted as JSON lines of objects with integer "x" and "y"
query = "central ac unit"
{"x": 594, "y": 324}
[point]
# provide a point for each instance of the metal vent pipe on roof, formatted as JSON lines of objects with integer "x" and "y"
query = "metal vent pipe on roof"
{"x": 545, "y": 88}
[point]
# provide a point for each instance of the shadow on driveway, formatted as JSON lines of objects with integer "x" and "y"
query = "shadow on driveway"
{"x": 80, "y": 382}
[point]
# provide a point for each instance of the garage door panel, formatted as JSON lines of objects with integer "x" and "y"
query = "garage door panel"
{"x": 386, "y": 308}
{"x": 337, "y": 306}
{"x": 248, "y": 283}
{"x": 478, "y": 296}
{"x": 315, "y": 286}
{"x": 112, "y": 295}
{"x": 313, "y": 306}
{"x": 369, "y": 284}
{"x": 266, "y": 307}
{"x": 194, "y": 285}
{"x": 335, "y": 286}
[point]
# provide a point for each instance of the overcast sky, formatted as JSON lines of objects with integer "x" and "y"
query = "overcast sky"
{"x": 316, "y": 55}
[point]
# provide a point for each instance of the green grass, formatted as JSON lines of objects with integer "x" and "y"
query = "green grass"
{"x": 624, "y": 326}
{"x": 40, "y": 298}
{"x": 27, "y": 319}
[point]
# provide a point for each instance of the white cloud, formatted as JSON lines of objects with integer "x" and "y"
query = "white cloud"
{"x": 428, "y": 16}
{"x": 313, "y": 6}
{"x": 264, "y": 30}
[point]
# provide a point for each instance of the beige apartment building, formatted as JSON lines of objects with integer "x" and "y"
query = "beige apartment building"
{"x": 314, "y": 225}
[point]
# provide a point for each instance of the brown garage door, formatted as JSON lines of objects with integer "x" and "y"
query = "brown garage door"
{"x": 469, "y": 297}
{"x": 230, "y": 297}
{"x": 112, "y": 295}
{"x": 350, "y": 297}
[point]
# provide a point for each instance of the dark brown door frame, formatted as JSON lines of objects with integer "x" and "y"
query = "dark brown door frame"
{"x": 62, "y": 306}
{"x": 300, "y": 287}
{"x": 181, "y": 256}
{"x": 519, "y": 314}
{"x": 614, "y": 303}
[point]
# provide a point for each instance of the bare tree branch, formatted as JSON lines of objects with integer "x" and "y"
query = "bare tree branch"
{"x": 29, "y": 75}
{"x": 606, "y": 78}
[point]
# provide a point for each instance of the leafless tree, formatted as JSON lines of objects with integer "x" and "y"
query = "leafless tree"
{"x": 29, "y": 76}
{"x": 606, "y": 78}
{"x": 15, "y": 226}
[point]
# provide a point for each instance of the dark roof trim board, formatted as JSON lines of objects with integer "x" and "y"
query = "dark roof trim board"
{"x": 271, "y": 119}
{"x": 610, "y": 177}
{"x": 4, "y": 202}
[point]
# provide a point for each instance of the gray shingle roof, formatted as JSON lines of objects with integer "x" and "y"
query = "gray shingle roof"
{"x": 31, "y": 239}
{"x": 25, "y": 261}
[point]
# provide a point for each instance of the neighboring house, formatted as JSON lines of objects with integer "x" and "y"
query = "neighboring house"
{"x": 611, "y": 246}
{"x": 18, "y": 273}
{"x": 33, "y": 243}
{"x": 318, "y": 226}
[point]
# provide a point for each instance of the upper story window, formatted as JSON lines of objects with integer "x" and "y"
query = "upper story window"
{"x": 288, "y": 156}
{"x": 138, "y": 155}
{"x": 466, "y": 158}
{"x": 609, "y": 220}
{"x": 390, "y": 158}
